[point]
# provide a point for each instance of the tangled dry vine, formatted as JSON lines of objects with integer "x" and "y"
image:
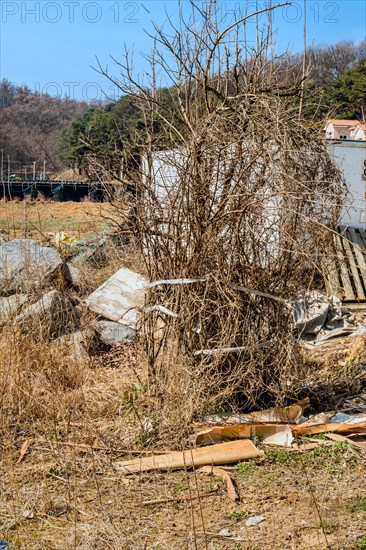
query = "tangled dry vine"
{"x": 236, "y": 190}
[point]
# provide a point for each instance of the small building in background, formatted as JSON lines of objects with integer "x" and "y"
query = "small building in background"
{"x": 358, "y": 132}
{"x": 350, "y": 156}
{"x": 340, "y": 129}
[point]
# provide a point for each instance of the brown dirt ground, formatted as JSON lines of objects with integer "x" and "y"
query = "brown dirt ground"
{"x": 62, "y": 496}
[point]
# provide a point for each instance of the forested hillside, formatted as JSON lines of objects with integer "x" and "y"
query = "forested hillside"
{"x": 30, "y": 125}
{"x": 68, "y": 133}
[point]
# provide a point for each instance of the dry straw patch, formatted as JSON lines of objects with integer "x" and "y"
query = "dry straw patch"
{"x": 38, "y": 384}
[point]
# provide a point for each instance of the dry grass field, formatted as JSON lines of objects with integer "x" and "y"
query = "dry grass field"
{"x": 64, "y": 422}
{"x": 75, "y": 420}
{"x": 38, "y": 219}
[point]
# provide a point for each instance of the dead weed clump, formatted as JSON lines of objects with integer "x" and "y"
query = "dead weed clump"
{"x": 38, "y": 384}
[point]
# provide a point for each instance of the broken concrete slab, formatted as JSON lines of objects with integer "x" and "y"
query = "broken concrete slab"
{"x": 93, "y": 254}
{"x": 111, "y": 333}
{"x": 52, "y": 315}
{"x": 73, "y": 275}
{"x": 78, "y": 344}
{"x": 24, "y": 265}
{"x": 119, "y": 298}
{"x": 10, "y": 306}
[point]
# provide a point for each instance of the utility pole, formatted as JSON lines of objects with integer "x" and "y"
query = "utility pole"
{"x": 2, "y": 164}
{"x": 9, "y": 190}
{"x": 34, "y": 170}
{"x": 44, "y": 170}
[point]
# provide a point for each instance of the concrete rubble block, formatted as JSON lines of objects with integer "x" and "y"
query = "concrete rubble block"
{"x": 79, "y": 344}
{"x": 51, "y": 316}
{"x": 74, "y": 275}
{"x": 120, "y": 297}
{"x": 92, "y": 254}
{"x": 25, "y": 265}
{"x": 10, "y": 306}
{"x": 110, "y": 332}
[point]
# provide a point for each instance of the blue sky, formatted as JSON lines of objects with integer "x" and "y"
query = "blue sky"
{"x": 51, "y": 45}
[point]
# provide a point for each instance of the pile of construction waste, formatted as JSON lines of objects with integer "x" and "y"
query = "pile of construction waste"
{"x": 227, "y": 439}
{"x": 35, "y": 283}
{"x": 42, "y": 293}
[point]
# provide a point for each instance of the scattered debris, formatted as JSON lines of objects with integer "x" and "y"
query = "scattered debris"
{"x": 290, "y": 414}
{"x": 355, "y": 403}
{"x": 110, "y": 332}
{"x": 254, "y": 520}
{"x": 63, "y": 240}
{"x": 231, "y": 491}
{"x": 319, "y": 317}
{"x": 273, "y": 434}
{"x": 119, "y": 297}
{"x": 302, "y": 447}
{"x": 312, "y": 429}
{"x": 223, "y": 453}
{"x": 24, "y": 264}
{"x": 338, "y": 437}
{"x": 24, "y": 449}
{"x": 343, "y": 418}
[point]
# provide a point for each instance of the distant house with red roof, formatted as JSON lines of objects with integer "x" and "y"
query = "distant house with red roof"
{"x": 358, "y": 132}
{"x": 340, "y": 129}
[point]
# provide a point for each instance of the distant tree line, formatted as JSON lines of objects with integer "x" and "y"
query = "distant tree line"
{"x": 31, "y": 123}
{"x": 336, "y": 81}
{"x": 92, "y": 139}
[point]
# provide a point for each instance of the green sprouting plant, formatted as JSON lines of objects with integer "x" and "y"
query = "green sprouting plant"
{"x": 238, "y": 515}
{"x": 245, "y": 468}
{"x": 359, "y": 504}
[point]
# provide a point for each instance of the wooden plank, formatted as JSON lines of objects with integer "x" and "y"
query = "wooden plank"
{"x": 346, "y": 281}
{"x": 352, "y": 264}
{"x": 359, "y": 251}
{"x": 362, "y": 239}
{"x": 333, "y": 286}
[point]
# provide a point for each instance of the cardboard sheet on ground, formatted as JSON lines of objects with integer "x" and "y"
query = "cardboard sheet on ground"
{"x": 291, "y": 414}
{"x": 223, "y": 453}
{"x": 311, "y": 429}
{"x": 272, "y": 434}
{"x": 231, "y": 491}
